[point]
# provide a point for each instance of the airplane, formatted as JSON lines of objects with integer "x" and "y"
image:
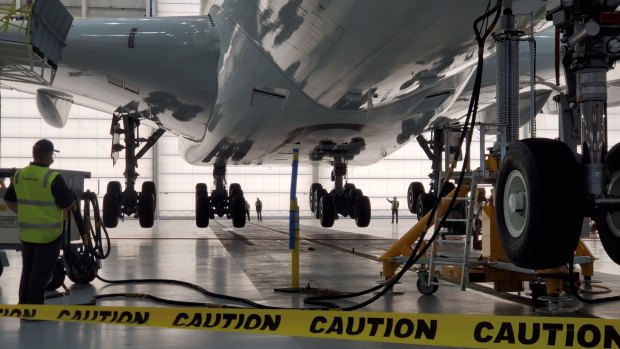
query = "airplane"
{"x": 345, "y": 83}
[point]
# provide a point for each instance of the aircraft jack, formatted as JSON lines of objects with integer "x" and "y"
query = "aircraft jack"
{"x": 475, "y": 254}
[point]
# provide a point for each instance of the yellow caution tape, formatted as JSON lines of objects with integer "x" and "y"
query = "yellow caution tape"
{"x": 469, "y": 331}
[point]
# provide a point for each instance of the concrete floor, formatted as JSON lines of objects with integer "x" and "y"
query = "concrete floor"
{"x": 251, "y": 263}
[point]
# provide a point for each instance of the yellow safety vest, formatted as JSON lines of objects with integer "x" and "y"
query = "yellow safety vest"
{"x": 39, "y": 219}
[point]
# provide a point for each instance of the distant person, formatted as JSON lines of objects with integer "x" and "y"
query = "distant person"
{"x": 41, "y": 200}
{"x": 259, "y": 208}
{"x": 247, "y": 209}
{"x": 395, "y": 204}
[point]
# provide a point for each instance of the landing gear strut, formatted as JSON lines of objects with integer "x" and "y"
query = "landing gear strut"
{"x": 344, "y": 199}
{"x": 221, "y": 202}
{"x": 118, "y": 202}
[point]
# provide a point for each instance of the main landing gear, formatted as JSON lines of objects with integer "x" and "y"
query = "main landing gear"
{"x": 221, "y": 202}
{"x": 118, "y": 202}
{"x": 546, "y": 187}
{"x": 344, "y": 199}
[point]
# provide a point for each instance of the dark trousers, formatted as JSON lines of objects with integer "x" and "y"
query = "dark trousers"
{"x": 39, "y": 261}
{"x": 394, "y": 214}
{"x": 259, "y": 215}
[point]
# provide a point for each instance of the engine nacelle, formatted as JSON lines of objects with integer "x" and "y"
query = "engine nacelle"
{"x": 54, "y": 106}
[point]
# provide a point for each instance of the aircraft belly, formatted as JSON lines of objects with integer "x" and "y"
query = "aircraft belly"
{"x": 164, "y": 68}
{"x": 261, "y": 115}
{"x": 341, "y": 52}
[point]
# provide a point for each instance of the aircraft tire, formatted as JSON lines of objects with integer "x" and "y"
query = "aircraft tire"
{"x": 327, "y": 210}
{"x": 447, "y": 188}
{"x": 425, "y": 204}
{"x": 363, "y": 211}
{"x": 414, "y": 190}
{"x": 318, "y": 194}
{"x": 201, "y": 187}
{"x": 202, "y": 209}
{"x": 544, "y": 230}
{"x": 238, "y": 211}
{"x": 146, "y": 210}
{"x": 313, "y": 188}
{"x": 115, "y": 188}
{"x": 608, "y": 223}
{"x": 235, "y": 190}
{"x": 111, "y": 210}
{"x": 150, "y": 188}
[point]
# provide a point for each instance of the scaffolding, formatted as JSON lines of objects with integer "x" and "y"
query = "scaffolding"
{"x": 32, "y": 38}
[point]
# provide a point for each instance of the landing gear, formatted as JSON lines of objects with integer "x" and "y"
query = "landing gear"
{"x": 345, "y": 200}
{"x": 543, "y": 193}
{"x": 117, "y": 202}
{"x": 230, "y": 203}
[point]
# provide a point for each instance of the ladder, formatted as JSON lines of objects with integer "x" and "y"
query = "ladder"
{"x": 472, "y": 179}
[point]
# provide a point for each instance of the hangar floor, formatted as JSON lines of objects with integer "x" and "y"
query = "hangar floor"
{"x": 251, "y": 263}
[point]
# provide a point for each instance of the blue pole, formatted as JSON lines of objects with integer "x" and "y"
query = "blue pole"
{"x": 293, "y": 242}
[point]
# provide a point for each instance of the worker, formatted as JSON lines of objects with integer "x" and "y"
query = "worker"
{"x": 395, "y": 204}
{"x": 259, "y": 208}
{"x": 247, "y": 209}
{"x": 41, "y": 200}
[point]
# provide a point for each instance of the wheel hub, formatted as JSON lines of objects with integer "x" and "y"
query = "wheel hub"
{"x": 515, "y": 207}
{"x": 613, "y": 218}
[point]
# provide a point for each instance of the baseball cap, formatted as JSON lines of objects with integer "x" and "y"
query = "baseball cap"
{"x": 44, "y": 146}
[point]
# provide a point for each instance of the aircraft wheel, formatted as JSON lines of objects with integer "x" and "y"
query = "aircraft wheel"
{"x": 612, "y": 160}
{"x": 353, "y": 195}
{"x": 201, "y": 187}
{"x": 146, "y": 210}
{"x": 238, "y": 211}
{"x": 318, "y": 194}
{"x": 425, "y": 204}
{"x": 349, "y": 187}
{"x": 58, "y": 276}
{"x": 447, "y": 188}
{"x": 114, "y": 187}
{"x": 363, "y": 211}
{"x": 149, "y": 187}
{"x": 415, "y": 189}
{"x": 423, "y": 286}
{"x": 1, "y": 269}
{"x": 327, "y": 210}
{"x": 311, "y": 197}
{"x": 235, "y": 190}
{"x": 203, "y": 209}
{"x": 111, "y": 210}
{"x": 539, "y": 203}
{"x": 608, "y": 223}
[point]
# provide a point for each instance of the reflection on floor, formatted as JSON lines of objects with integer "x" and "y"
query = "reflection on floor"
{"x": 251, "y": 263}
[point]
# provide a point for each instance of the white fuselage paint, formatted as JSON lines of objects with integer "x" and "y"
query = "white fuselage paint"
{"x": 253, "y": 79}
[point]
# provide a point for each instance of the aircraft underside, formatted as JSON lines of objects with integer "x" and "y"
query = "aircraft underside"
{"x": 347, "y": 83}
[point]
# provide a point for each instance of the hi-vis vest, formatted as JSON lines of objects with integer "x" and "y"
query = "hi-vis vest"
{"x": 39, "y": 219}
